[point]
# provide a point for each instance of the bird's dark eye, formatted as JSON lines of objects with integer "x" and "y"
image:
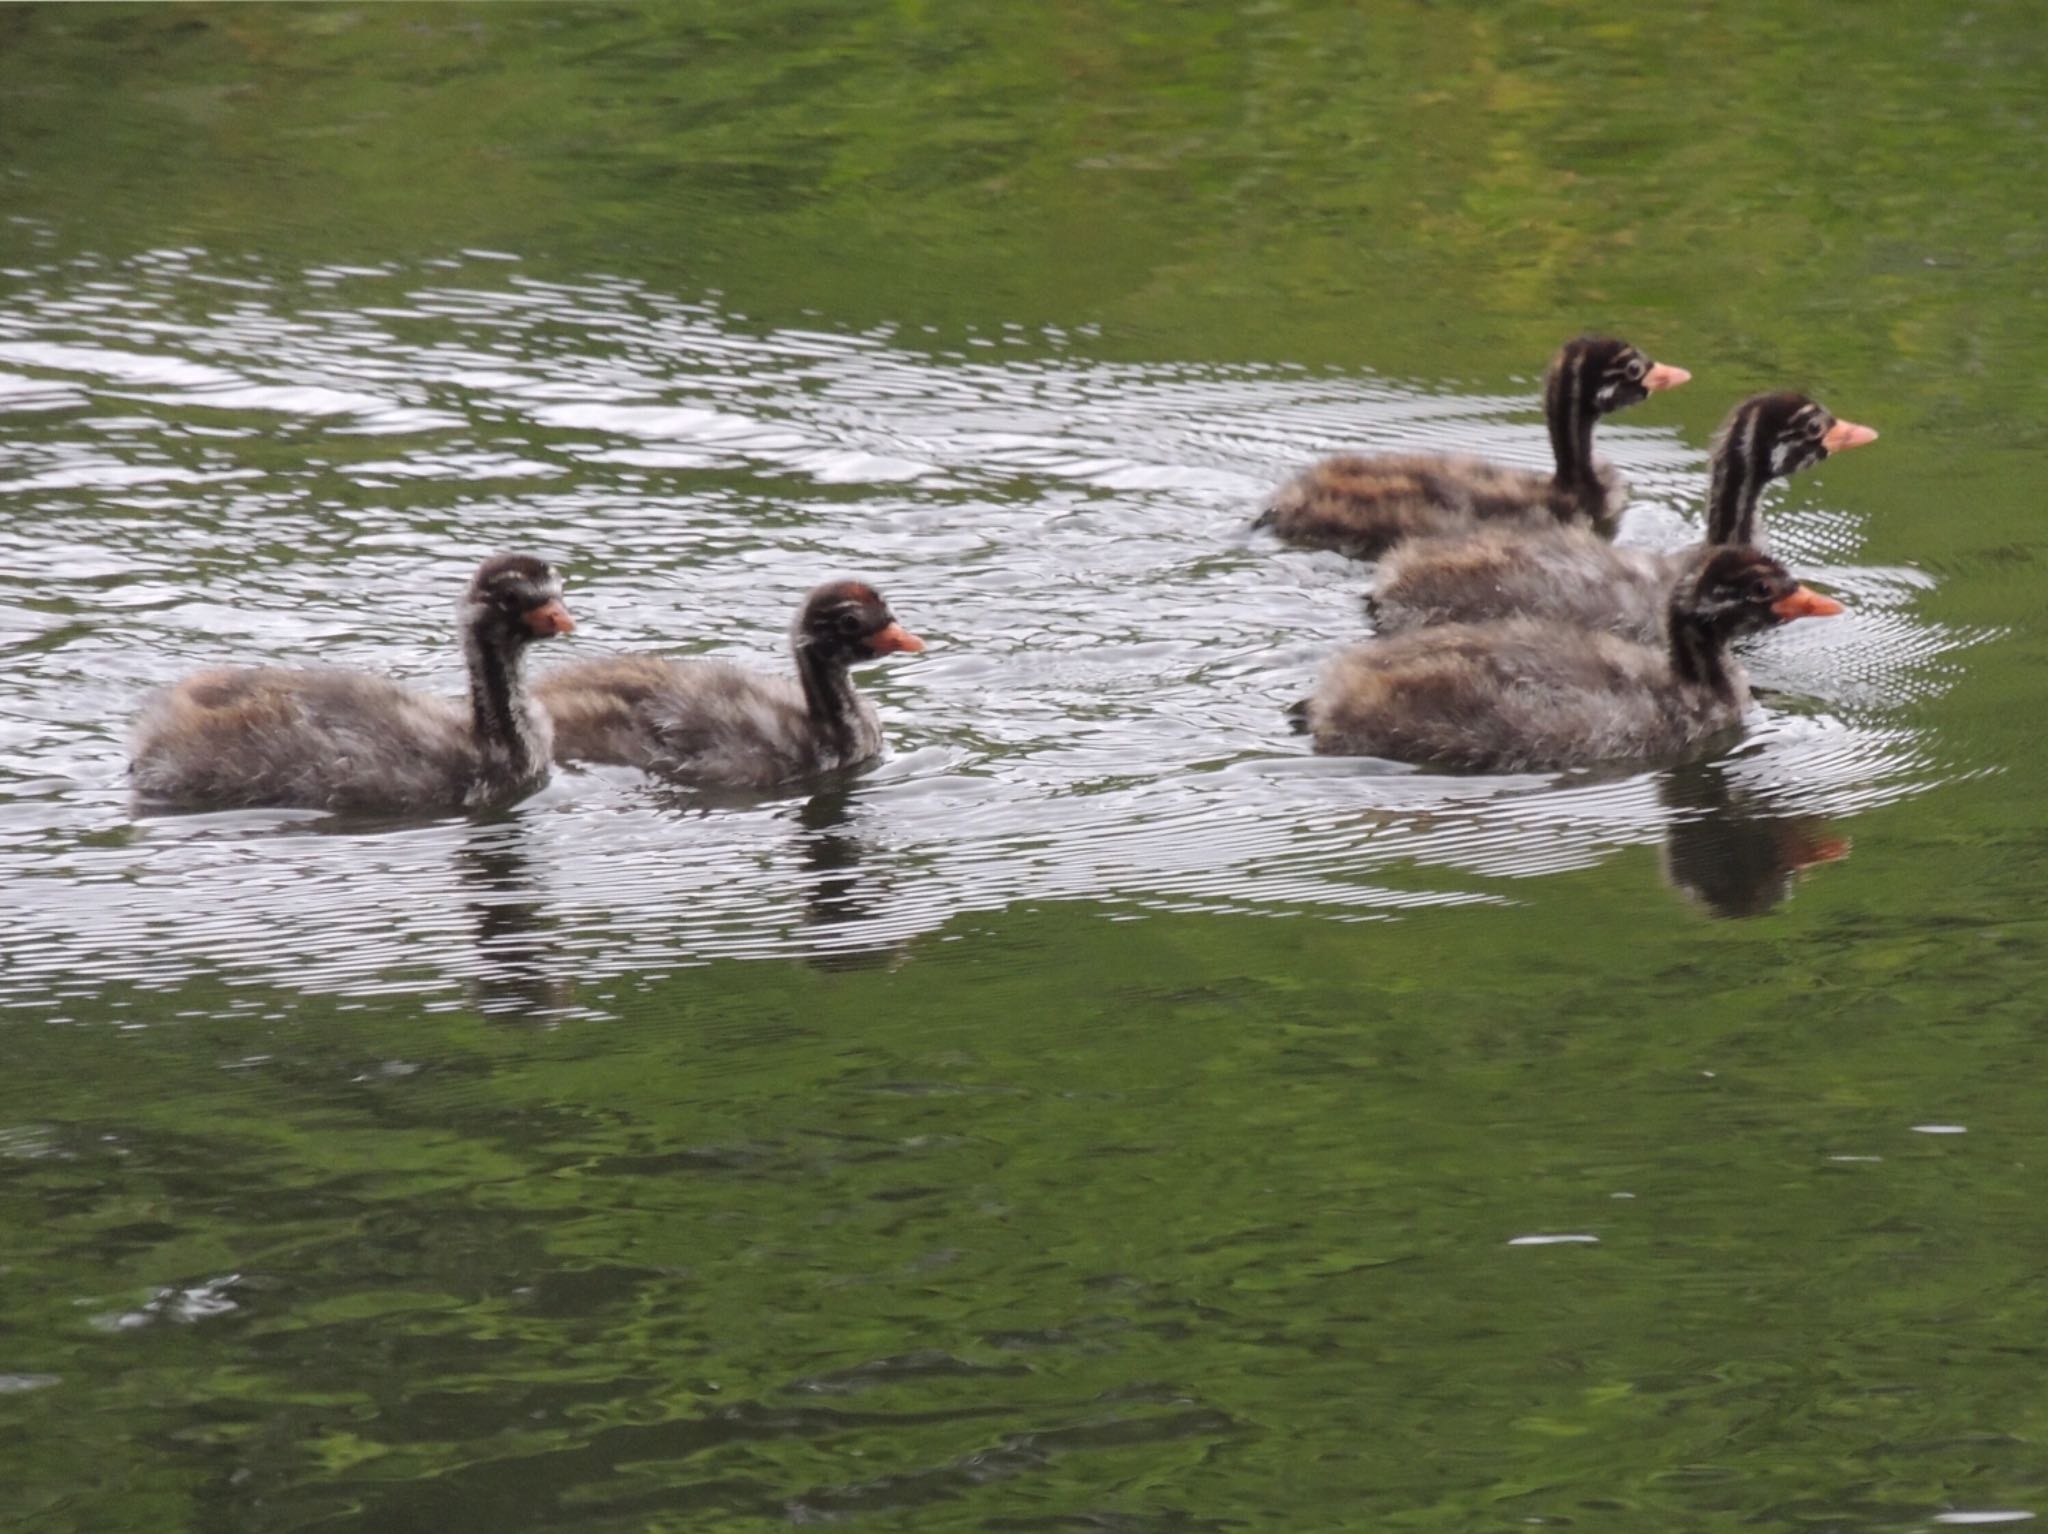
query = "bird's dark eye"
{"x": 849, "y": 624}
{"x": 1816, "y": 428}
{"x": 1637, "y": 367}
{"x": 1761, "y": 590}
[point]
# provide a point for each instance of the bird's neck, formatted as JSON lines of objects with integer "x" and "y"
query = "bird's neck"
{"x": 1699, "y": 655}
{"x": 1735, "y": 489}
{"x": 1571, "y": 418}
{"x": 828, "y": 697}
{"x": 498, "y": 703}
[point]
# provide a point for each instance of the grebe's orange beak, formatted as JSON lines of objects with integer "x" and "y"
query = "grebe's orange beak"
{"x": 1846, "y": 434}
{"x": 550, "y": 618}
{"x": 1805, "y": 603}
{"x": 895, "y": 637}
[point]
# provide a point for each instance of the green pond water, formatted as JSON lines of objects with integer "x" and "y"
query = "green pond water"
{"x": 1102, "y": 1115}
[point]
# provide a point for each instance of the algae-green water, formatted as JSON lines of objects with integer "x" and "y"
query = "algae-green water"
{"x": 1101, "y": 1115}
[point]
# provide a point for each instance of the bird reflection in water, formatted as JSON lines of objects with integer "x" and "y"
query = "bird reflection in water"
{"x": 518, "y": 972}
{"x": 838, "y": 892}
{"x": 831, "y": 856}
{"x": 837, "y": 896}
{"x": 1730, "y": 850}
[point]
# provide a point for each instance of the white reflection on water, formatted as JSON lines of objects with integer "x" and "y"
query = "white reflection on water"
{"x": 302, "y": 470}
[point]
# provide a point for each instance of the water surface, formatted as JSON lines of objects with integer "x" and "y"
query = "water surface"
{"x": 1101, "y": 714}
{"x": 1102, "y": 1113}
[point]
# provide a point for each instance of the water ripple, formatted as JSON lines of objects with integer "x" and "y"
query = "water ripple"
{"x": 273, "y": 470}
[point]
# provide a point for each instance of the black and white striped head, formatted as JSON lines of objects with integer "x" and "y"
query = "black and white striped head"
{"x": 1777, "y": 435}
{"x": 1597, "y": 375}
{"x": 1734, "y": 591}
{"x": 515, "y": 597}
{"x": 847, "y": 621}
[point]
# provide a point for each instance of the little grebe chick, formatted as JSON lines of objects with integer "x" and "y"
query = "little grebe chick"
{"x": 1362, "y": 506}
{"x": 707, "y": 722}
{"x": 1572, "y": 575}
{"x": 344, "y": 740}
{"x": 1532, "y": 693}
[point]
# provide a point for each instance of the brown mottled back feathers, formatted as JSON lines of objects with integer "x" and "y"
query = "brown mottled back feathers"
{"x": 1362, "y": 506}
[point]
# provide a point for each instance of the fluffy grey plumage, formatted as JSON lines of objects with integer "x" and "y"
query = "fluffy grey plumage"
{"x": 709, "y": 722}
{"x": 1362, "y": 506}
{"x": 1536, "y": 693}
{"x": 701, "y": 720}
{"x": 342, "y": 740}
{"x": 1567, "y": 574}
